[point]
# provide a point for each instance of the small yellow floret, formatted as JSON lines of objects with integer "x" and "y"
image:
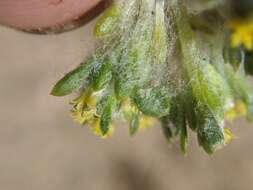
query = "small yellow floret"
{"x": 242, "y": 33}
{"x": 146, "y": 122}
{"x": 238, "y": 110}
{"x": 229, "y": 136}
{"x": 84, "y": 108}
{"x": 84, "y": 112}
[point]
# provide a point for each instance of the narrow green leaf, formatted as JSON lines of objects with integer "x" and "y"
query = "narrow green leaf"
{"x": 73, "y": 80}
{"x": 102, "y": 76}
{"x": 131, "y": 74}
{"x": 210, "y": 131}
{"x": 134, "y": 124}
{"x": 178, "y": 117}
{"x": 134, "y": 68}
{"x": 184, "y": 137}
{"x": 109, "y": 107}
{"x": 107, "y": 23}
{"x": 233, "y": 56}
{"x": 177, "y": 113}
{"x": 160, "y": 36}
{"x": 240, "y": 88}
{"x": 248, "y": 65}
{"x": 190, "y": 111}
{"x": 208, "y": 86}
{"x": 106, "y": 120}
{"x": 166, "y": 128}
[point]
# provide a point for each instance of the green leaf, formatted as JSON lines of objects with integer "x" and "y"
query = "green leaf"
{"x": 178, "y": 117}
{"x": 233, "y": 56}
{"x": 110, "y": 104}
{"x": 211, "y": 89}
{"x": 131, "y": 74}
{"x": 102, "y": 76}
{"x": 210, "y": 131}
{"x": 184, "y": 137}
{"x": 160, "y": 36}
{"x": 240, "y": 88}
{"x": 248, "y": 65}
{"x": 134, "y": 124}
{"x": 134, "y": 68}
{"x": 107, "y": 23}
{"x": 208, "y": 86}
{"x": 190, "y": 111}
{"x": 166, "y": 128}
{"x": 177, "y": 112}
{"x": 153, "y": 101}
{"x": 73, "y": 80}
{"x": 106, "y": 119}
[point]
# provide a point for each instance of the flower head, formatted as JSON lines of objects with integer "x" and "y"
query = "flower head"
{"x": 242, "y": 33}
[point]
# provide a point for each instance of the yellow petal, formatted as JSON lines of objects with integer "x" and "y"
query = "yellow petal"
{"x": 239, "y": 110}
{"x": 229, "y": 136}
{"x": 146, "y": 122}
{"x": 242, "y": 33}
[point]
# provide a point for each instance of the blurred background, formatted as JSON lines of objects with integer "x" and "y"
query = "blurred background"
{"x": 42, "y": 148}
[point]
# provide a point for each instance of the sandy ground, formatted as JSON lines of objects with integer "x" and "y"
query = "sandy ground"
{"x": 42, "y": 149}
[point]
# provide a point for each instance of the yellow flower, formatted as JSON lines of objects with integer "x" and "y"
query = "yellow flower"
{"x": 242, "y": 33}
{"x": 84, "y": 108}
{"x": 82, "y": 116}
{"x": 128, "y": 106}
{"x": 95, "y": 127}
{"x": 229, "y": 136}
{"x": 84, "y": 112}
{"x": 129, "y": 109}
{"x": 146, "y": 122}
{"x": 238, "y": 110}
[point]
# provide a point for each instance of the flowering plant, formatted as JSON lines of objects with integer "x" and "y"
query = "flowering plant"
{"x": 183, "y": 63}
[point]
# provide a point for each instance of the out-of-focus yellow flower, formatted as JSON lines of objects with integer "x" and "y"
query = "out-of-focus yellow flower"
{"x": 229, "y": 136}
{"x": 238, "y": 110}
{"x": 128, "y": 106}
{"x": 146, "y": 122}
{"x": 242, "y": 33}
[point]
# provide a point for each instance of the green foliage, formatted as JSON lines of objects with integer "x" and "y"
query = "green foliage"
{"x": 134, "y": 124}
{"x": 102, "y": 76}
{"x": 210, "y": 131}
{"x": 108, "y": 108}
{"x": 134, "y": 67}
{"x": 107, "y": 23}
{"x": 153, "y": 101}
{"x": 73, "y": 80}
{"x": 233, "y": 56}
{"x": 155, "y": 64}
{"x": 184, "y": 137}
{"x": 166, "y": 128}
{"x": 248, "y": 65}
